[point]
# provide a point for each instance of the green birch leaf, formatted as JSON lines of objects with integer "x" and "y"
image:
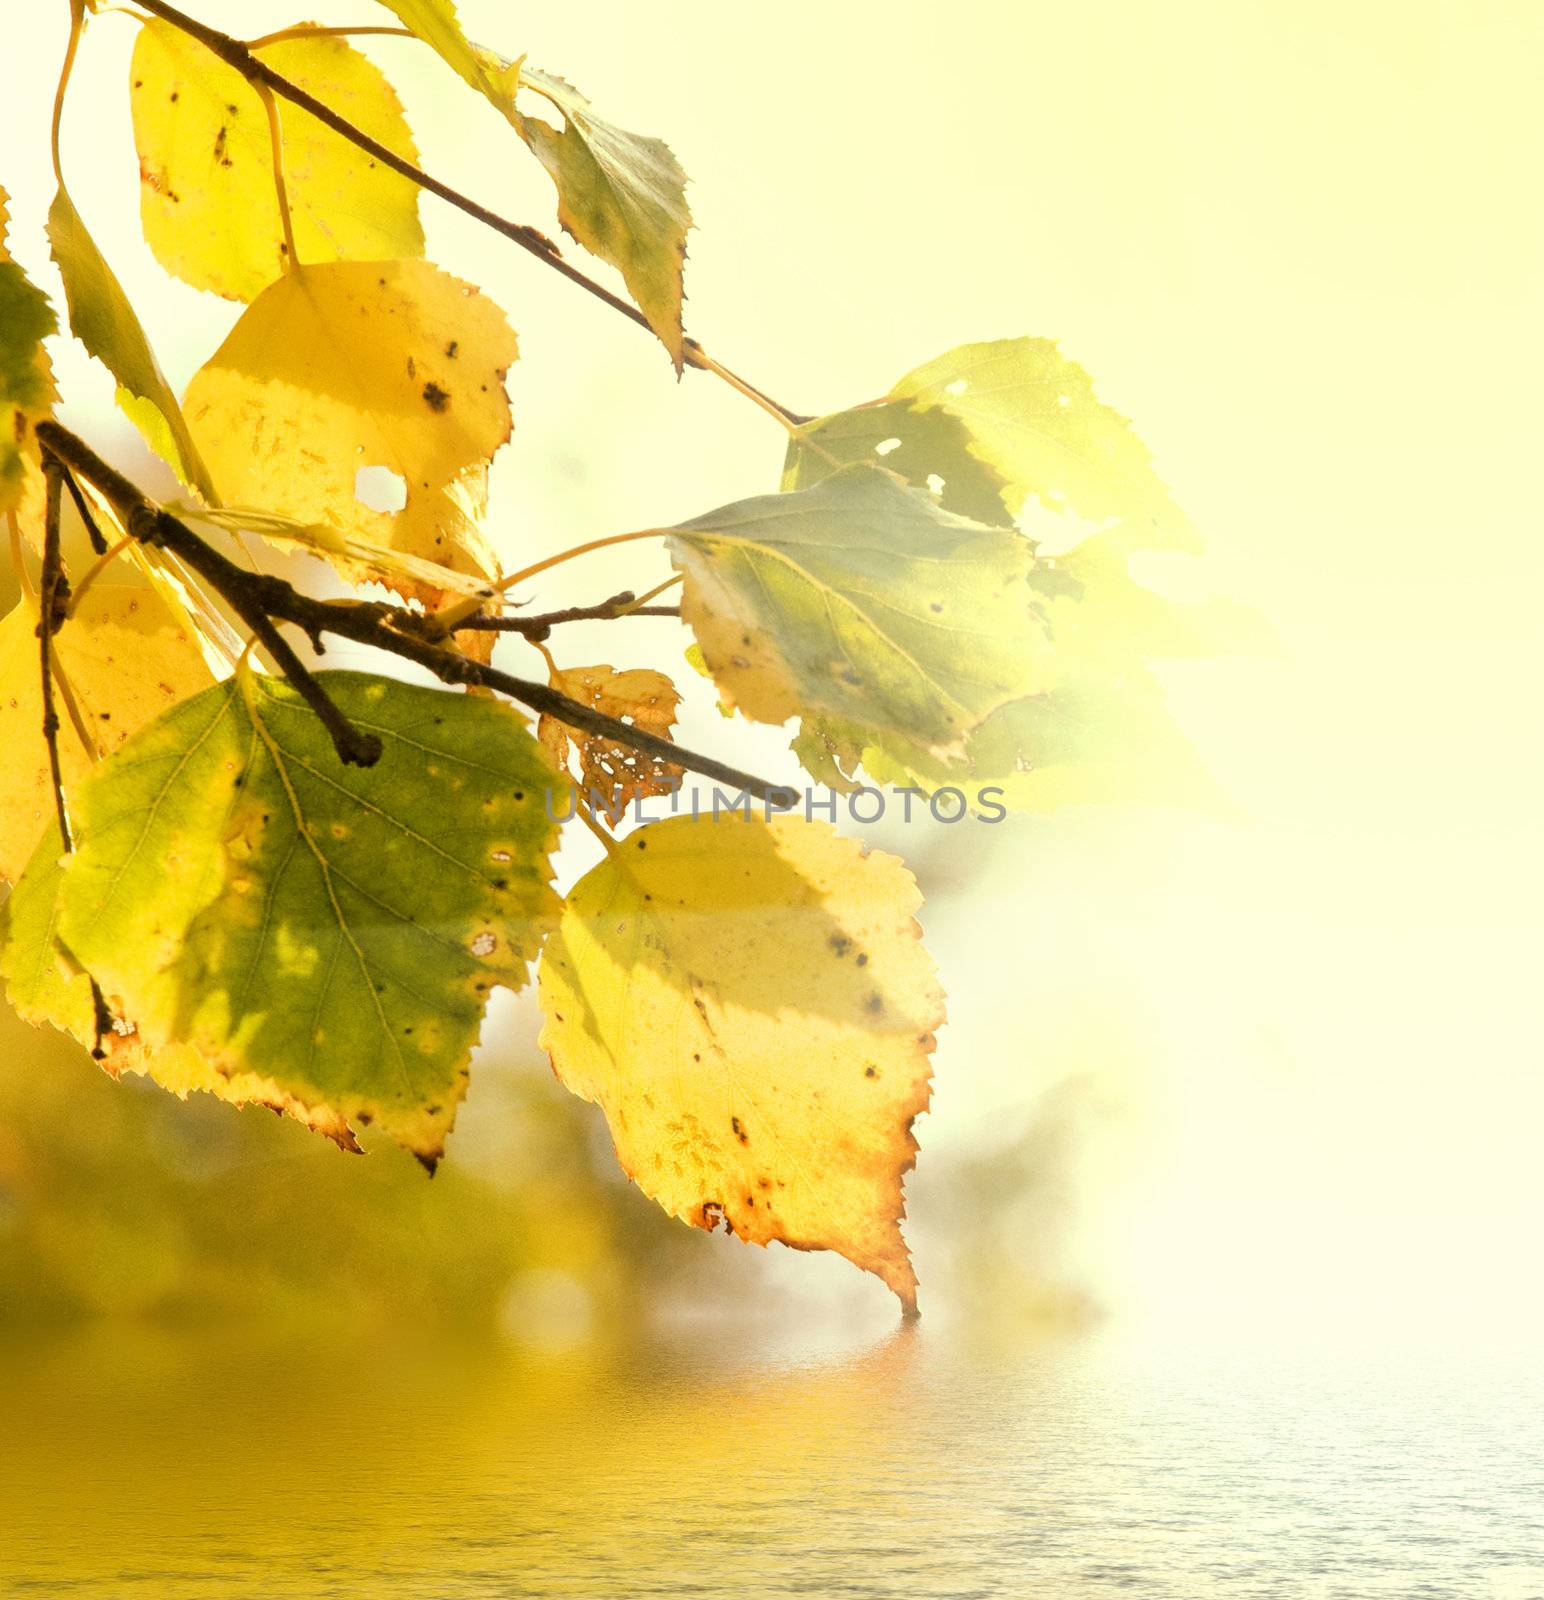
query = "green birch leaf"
{"x": 863, "y": 600}
{"x": 334, "y": 930}
{"x": 622, "y": 195}
{"x": 1009, "y": 429}
{"x": 104, "y": 321}
{"x": 26, "y": 386}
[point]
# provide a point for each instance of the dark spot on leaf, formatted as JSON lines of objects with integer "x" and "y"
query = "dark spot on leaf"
{"x": 739, "y": 1130}
{"x": 435, "y": 397}
{"x": 452, "y": 349}
{"x": 874, "y": 1004}
{"x": 862, "y": 959}
{"x": 935, "y": 606}
{"x": 841, "y": 943}
{"x": 871, "y": 1072}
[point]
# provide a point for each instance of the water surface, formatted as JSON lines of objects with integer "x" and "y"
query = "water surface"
{"x": 144, "y": 1464}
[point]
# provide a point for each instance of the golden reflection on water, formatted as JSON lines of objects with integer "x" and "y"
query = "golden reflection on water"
{"x": 139, "y": 1463}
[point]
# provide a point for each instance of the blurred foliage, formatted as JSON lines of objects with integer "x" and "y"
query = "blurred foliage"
{"x": 119, "y": 1199}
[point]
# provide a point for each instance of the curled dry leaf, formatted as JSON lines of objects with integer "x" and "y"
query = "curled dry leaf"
{"x": 612, "y": 775}
{"x": 751, "y": 1006}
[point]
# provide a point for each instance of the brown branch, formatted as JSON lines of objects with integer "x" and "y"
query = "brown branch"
{"x": 375, "y": 623}
{"x": 93, "y": 532}
{"x": 53, "y": 590}
{"x": 239, "y": 58}
{"x": 539, "y": 624}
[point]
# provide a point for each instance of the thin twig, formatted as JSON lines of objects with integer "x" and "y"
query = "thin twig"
{"x": 540, "y": 623}
{"x": 51, "y": 589}
{"x": 93, "y": 532}
{"x": 240, "y": 59}
{"x": 380, "y": 625}
{"x": 49, "y": 608}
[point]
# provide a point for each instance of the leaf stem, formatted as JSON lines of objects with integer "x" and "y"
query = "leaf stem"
{"x": 392, "y": 629}
{"x": 95, "y": 571}
{"x": 240, "y": 58}
{"x": 276, "y": 143}
{"x": 77, "y": 21}
{"x": 318, "y": 30}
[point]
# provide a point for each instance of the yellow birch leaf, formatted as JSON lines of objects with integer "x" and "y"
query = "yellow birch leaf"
{"x": 347, "y": 366}
{"x": 613, "y": 775}
{"x": 751, "y": 1006}
{"x": 124, "y": 657}
{"x": 207, "y": 199}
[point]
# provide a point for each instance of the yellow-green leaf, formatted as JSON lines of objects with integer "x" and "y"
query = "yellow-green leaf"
{"x": 347, "y": 366}
{"x": 124, "y": 658}
{"x": 622, "y": 195}
{"x": 751, "y": 1006}
{"x": 26, "y": 387}
{"x": 334, "y": 930}
{"x": 104, "y": 321}
{"x": 46, "y": 988}
{"x": 861, "y": 599}
{"x": 436, "y": 23}
{"x": 1096, "y": 737}
{"x": 207, "y": 197}
{"x": 1034, "y": 419}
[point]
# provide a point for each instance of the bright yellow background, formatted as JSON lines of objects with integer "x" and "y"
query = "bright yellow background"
{"x": 1281, "y": 1074}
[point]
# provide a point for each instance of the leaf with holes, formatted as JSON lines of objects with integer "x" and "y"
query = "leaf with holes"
{"x": 998, "y": 423}
{"x": 26, "y": 388}
{"x": 864, "y": 600}
{"x": 122, "y": 660}
{"x": 207, "y": 200}
{"x": 751, "y": 1006}
{"x": 350, "y": 365}
{"x": 47, "y": 988}
{"x": 333, "y": 930}
{"x": 613, "y": 775}
{"x": 929, "y": 448}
